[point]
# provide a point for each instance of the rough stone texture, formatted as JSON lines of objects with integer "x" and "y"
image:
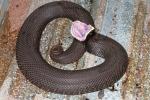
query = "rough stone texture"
{"x": 137, "y": 81}
{"x": 127, "y": 21}
{"x": 9, "y": 30}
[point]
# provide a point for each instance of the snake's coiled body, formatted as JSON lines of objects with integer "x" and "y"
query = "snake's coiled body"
{"x": 49, "y": 78}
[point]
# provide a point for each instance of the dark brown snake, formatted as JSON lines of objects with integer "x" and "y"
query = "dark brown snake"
{"x": 49, "y": 78}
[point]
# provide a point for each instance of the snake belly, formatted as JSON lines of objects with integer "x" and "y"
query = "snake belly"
{"x": 51, "y": 79}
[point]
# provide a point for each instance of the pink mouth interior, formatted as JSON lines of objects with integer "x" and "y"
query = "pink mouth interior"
{"x": 80, "y": 30}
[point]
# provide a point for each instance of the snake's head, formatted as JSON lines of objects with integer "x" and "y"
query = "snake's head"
{"x": 80, "y": 30}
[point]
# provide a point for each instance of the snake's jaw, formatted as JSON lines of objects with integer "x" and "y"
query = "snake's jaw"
{"x": 80, "y": 30}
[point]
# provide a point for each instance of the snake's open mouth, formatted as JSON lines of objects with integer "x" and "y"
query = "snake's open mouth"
{"x": 80, "y": 30}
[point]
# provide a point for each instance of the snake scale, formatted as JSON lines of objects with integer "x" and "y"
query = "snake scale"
{"x": 49, "y": 78}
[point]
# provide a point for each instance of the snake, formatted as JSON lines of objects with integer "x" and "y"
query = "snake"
{"x": 68, "y": 82}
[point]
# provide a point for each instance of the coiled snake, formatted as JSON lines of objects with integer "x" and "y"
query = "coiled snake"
{"x": 49, "y": 78}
